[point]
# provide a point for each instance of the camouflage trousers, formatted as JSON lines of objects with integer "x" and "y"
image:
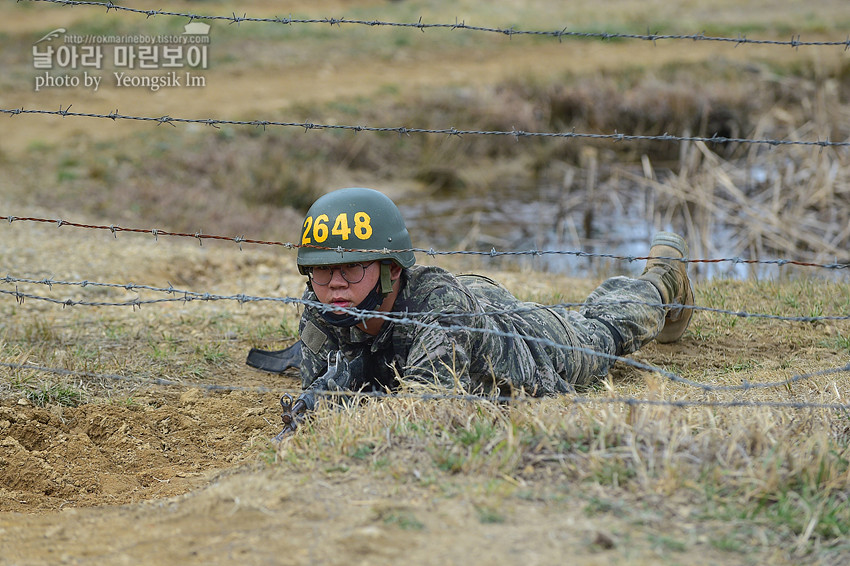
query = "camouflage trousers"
{"x": 618, "y": 318}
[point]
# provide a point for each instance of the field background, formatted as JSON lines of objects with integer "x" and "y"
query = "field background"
{"x": 105, "y": 464}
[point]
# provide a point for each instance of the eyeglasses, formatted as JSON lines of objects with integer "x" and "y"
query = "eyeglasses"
{"x": 351, "y": 272}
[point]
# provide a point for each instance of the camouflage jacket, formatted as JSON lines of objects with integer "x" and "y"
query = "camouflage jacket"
{"x": 488, "y": 351}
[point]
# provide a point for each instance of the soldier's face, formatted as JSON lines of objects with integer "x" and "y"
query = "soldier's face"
{"x": 341, "y": 293}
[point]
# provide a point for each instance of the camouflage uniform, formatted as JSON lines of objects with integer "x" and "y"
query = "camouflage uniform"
{"x": 495, "y": 355}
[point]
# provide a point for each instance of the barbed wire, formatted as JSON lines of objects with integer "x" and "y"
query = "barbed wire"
{"x": 403, "y": 318}
{"x": 190, "y": 296}
{"x": 501, "y": 399}
{"x": 420, "y": 320}
{"x": 795, "y": 41}
{"x": 431, "y": 252}
{"x": 402, "y": 130}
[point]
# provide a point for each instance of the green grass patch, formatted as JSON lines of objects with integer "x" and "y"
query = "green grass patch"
{"x": 54, "y": 394}
{"x": 403, "y": 520}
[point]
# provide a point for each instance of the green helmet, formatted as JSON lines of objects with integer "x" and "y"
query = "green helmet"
{"x": 353, "y": 219}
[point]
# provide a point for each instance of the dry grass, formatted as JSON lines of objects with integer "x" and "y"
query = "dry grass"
{"x": 783, "y": 473}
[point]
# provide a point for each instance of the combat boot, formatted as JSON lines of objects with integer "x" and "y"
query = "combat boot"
{"x": 670, "y": 277}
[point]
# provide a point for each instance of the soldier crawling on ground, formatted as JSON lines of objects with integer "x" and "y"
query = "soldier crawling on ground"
{"x": 356, "y": 253}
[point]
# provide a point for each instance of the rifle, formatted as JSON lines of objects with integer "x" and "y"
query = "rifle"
{"x": 336, "y": 378}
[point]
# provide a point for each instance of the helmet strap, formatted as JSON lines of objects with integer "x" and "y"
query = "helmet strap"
{"x": 386, "y": 281}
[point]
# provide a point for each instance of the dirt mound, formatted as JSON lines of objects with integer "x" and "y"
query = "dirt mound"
{"x": 154, "y": 446}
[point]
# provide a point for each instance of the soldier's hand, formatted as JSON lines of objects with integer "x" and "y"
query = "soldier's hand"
{"x": 343, "y": 376}
{"x": 340, "y": 379}
{"x": 339, "y": 393}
